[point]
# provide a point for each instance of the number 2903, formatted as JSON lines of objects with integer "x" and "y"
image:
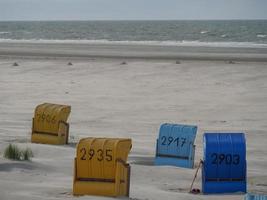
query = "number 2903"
{"x": 227, "y": 159}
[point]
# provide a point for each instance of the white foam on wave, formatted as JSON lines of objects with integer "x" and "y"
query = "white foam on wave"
{"x": 261, "y": 35}
{"x": 204, "y": 32}
{"x": 4, "y": 32}
{"x": 154, "y": 43}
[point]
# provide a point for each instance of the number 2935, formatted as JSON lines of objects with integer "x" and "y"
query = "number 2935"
{"x": 99, "y": 154}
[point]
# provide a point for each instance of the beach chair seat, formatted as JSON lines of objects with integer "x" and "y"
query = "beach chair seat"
{"x": 224, "y": 163}
{"x": 49, "y": 125}
{"x": 175, "y": 145}
{"x": 101, "y": 168}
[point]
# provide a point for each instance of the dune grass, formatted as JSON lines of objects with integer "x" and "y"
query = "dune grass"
{"x": 13, "y": 152}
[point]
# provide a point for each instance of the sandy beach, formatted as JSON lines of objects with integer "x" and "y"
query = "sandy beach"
{"x": 111, "y": 99}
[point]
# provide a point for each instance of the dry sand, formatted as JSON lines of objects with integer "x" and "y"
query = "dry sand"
{"x": 130, "y": 100}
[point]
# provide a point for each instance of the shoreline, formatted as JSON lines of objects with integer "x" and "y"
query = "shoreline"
{"x": 130, "y": 51}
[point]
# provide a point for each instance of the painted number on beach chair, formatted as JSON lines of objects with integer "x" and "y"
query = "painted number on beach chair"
{"x": 48, "y": 118}
{"x": 225, "y": 158}
{"x": 100, "y": 154}
{"x": 169, "y": 140}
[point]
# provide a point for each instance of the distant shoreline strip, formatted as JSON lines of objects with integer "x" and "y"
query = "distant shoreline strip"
{"x": 152, "y": 43}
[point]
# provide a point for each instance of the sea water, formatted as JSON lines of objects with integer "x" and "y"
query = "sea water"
{"x": 203, "y": 33}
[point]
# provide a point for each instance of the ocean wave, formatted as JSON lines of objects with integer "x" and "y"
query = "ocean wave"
{"x": 204, "y": 32}
{"x": 261, "y": 35}
{"x": 4, "y": 32}
{"x": 154, "y": 43}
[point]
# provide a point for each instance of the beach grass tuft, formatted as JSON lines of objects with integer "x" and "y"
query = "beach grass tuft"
{"x": 27, "y": 154}
{"x": 13, "y": 152}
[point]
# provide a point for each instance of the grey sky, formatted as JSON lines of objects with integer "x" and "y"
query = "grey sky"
{"x": 131, "y": 9}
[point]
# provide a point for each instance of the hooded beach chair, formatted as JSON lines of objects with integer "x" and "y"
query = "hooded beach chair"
{"x": 49, "y": 125}
{"x": 175, "y": 145}
{"x": 100, "y": 167}
{"x": 224, "y": 168}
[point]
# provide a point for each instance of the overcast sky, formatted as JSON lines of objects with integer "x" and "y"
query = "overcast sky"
{"x": 131, "y": 9}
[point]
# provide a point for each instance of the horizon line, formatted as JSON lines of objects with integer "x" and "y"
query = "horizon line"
{"x": 46, "y": 20}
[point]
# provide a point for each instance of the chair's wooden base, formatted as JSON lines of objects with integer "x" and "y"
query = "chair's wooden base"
{"x": 60, "y": 138}
{"x": 101, "y": 187}
{"x": 48, "y": 139}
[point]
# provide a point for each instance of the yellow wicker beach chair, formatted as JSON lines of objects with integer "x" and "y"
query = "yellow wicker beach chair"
{"x": 49, "y": 125}
{"x": 100, "y": 167}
